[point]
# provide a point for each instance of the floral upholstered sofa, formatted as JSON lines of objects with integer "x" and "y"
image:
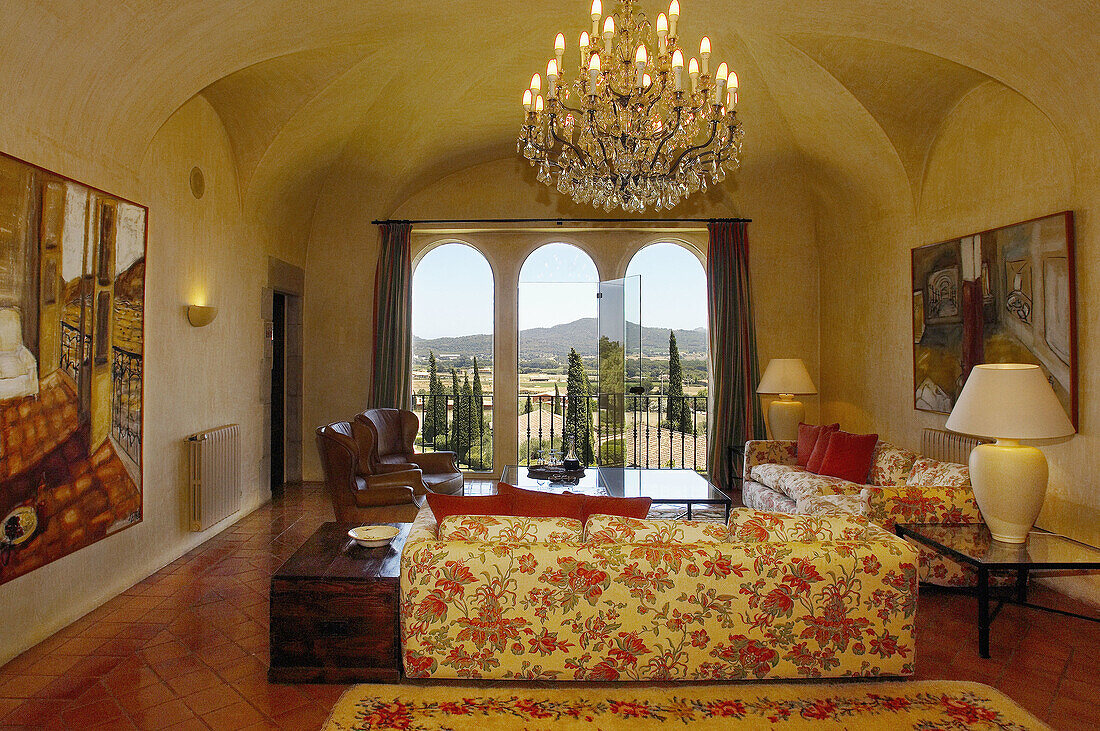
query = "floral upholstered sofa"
{"x": 902, "y": 487}
{"x": 768, "y": 596}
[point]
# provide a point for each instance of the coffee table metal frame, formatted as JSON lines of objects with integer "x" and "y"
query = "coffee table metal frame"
{"x": 1022, "y": 568}
{"x": 717, "y": 496}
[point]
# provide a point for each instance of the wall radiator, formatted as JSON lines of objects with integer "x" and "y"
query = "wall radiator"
{"x": 214, "y": 475}
{"x": 947, "y": 446}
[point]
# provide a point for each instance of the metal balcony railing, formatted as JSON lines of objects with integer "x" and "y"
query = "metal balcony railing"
{"x": 460, "y": 424}
{"x": 645, "y": 437}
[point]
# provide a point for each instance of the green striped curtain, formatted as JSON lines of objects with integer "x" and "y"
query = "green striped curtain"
{"x": 391, "y": 385}
{"x": 735, "y": 414}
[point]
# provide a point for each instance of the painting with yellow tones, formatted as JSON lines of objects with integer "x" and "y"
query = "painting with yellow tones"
{"x": 1001, "y": 296}
{"x": 72, "y": 304}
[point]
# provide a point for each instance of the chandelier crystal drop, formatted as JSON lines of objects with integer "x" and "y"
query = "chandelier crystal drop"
{"x": 628, "y": 130}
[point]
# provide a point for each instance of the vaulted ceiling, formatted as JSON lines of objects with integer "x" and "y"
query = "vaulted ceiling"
{"x": 407, "y": 92}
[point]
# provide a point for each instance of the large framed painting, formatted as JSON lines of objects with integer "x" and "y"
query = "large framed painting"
{"x": 72, "y": 337}
{"x": 1000, "y": 296}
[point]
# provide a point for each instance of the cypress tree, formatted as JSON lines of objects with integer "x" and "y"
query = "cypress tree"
{"x": 478, "y": 403}
{"x": 456, "y": 415}
{"x": 557, "y": 402}
{"x": 677, "y": 412}
{"x": 432, "y": 425}
{"x": 578, "y": 421}
{"x": 464, "y": 419}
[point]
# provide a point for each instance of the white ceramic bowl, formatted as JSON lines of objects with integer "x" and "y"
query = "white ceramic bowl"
{"x": 373, "y": 536}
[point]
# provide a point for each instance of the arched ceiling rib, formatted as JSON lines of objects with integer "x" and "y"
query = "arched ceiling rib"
{"x": 402, "y": 92}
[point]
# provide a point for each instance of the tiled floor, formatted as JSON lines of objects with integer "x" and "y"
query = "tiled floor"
{"x": 187, "y": 647}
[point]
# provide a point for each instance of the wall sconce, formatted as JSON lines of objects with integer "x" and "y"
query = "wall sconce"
{"x": 201, "y": 315}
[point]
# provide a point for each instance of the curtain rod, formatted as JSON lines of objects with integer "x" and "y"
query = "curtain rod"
{"x": 561, "y": 221}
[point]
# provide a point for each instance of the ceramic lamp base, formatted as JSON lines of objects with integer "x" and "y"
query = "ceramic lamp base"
{"x": 784, "y": 415}
{"x": 1010, "y": 482}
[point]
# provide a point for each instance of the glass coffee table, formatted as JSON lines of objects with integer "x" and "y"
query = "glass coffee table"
{"x": 668, "y": 487}
{"x": 973, "y": 545}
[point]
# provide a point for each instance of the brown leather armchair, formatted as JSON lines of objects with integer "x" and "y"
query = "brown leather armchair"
{"x": 393, "y": 432}
{"x": 358, "y": 495}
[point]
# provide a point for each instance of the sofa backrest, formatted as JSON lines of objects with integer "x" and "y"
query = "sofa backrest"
{"x": 890, "y": 465}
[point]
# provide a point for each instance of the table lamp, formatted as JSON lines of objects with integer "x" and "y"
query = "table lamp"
{"x": 786, "y": 377}
{"x": 1009, "y": 402}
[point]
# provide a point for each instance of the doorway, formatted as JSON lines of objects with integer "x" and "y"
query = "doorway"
{"x": 278, "y": 393}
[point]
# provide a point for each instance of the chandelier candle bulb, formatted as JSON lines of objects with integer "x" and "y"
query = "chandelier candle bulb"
{"x": 528, "y": 101}
{"x": 662, "y": 33}
{"x": 593, "y": 73}
{"x": 538, "y": 104}
{"x": 608, "y": 33}
{"x": 597, "y": 11}
{"x": 559, "y": 48}
{"x": 536, "y": 83}
{"x": 640, "y": 61}
{"x": 704, "y": 54}
{"x": 693, "y": 72}
{"x": 673, "y": 16}
{"x": 584, "y": 49}
{"x": 720, "y": 82}
{"x": 678, "y": 67}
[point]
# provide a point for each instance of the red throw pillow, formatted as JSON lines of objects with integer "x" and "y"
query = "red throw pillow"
{"x": 537, "y": 504}
{"x": 626, "y": 507}
{"x": 808, "y": 436}
{"x": 848, "y": 456}
{"x": 817, "y": 456}
{"x": 446, "y": 505}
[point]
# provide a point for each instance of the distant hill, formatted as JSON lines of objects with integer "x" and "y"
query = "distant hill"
{"x": 556, "y": 341}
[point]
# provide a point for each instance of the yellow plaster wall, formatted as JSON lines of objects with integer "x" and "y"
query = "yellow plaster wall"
{"x": 996, "y": 160}
{"x": 343, "y": 247}
{"x": 194, "y": 378}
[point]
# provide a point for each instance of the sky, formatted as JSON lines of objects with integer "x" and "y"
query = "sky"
{"x": 557, "y": 285}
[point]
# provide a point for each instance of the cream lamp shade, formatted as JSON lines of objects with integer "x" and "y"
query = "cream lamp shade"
{"x": 1009, "y": 402}
{"x": 786, "y": 377}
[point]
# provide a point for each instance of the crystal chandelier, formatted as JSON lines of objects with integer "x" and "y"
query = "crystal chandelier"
{"x": 628, "y": 131}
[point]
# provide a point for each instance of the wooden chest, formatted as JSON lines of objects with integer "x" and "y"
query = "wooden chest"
{"x": 334, "y": 610}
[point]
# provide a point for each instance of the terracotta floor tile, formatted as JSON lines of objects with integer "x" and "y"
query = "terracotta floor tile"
{"x": 217, "y": 696}
{"x": 25, "y": 686}
{"x": 146, "y": 697}
{"x": 193, "y": 682}
{"x": 93, "y": 713}
{"x": 307, "y": 716}
{"x": 162, "y": 715}
{"x": 35, "y": 713}
{"x": 235, "y": 716}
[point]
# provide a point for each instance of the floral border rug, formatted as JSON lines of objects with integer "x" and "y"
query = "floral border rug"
{"x": 926, "y": 705}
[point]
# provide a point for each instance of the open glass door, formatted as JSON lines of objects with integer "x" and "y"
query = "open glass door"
{"x": 619, "y": 354}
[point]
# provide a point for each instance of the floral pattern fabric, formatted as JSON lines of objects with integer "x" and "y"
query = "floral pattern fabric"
{"x": 769, "y": 451}
{"x": 933, "y": 472}
{"x": 759, "y": 497}
{"x": 497, "y": 528}
{"x": 643, "y": 611}
{"x": 770, "y": 475}
{"x": 834, "y": 505}
{"x": 891, "y": 465}
{"x": 756, "y": 526}
{"x": 616, "y": 529}
{"x": 888, "y": 506}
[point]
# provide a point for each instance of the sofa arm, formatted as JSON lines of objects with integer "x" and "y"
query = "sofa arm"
{"x": 435, "y": 463}
{"x": 373, "y": 497}
{"x": 893, "y": 504}
{"x": 410, "y": 478}
{"x": 769, "y": 451}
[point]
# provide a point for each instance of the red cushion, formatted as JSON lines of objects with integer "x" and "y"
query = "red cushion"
{"x": 817, "y": 456}
{"x": 848, "y": 456}
{"x": 808, "y": 436}
{"x": 627, "y": 507}
{"x": 446, "y": 505}
{"x": 537, "y": 504}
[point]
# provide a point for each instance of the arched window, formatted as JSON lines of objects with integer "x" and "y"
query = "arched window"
{"x": 671, "y": 414}
{"x": 452, "y": 368}
{"x": 557, "y": 351}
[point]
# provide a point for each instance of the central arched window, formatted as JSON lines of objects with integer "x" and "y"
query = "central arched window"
{"x": 668, "y": 418}
{"x": 452, "y": 368}
{"x": 557, "y": 352}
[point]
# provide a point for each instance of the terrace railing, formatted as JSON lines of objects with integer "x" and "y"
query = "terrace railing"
{"x": 126, "y": 401}
{"x": 460, "y": 424}
{"x": 645, "y": 438}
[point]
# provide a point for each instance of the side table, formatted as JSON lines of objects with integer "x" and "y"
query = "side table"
{"x": 334, "y": 610}
{"x": 973, "y": 545}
